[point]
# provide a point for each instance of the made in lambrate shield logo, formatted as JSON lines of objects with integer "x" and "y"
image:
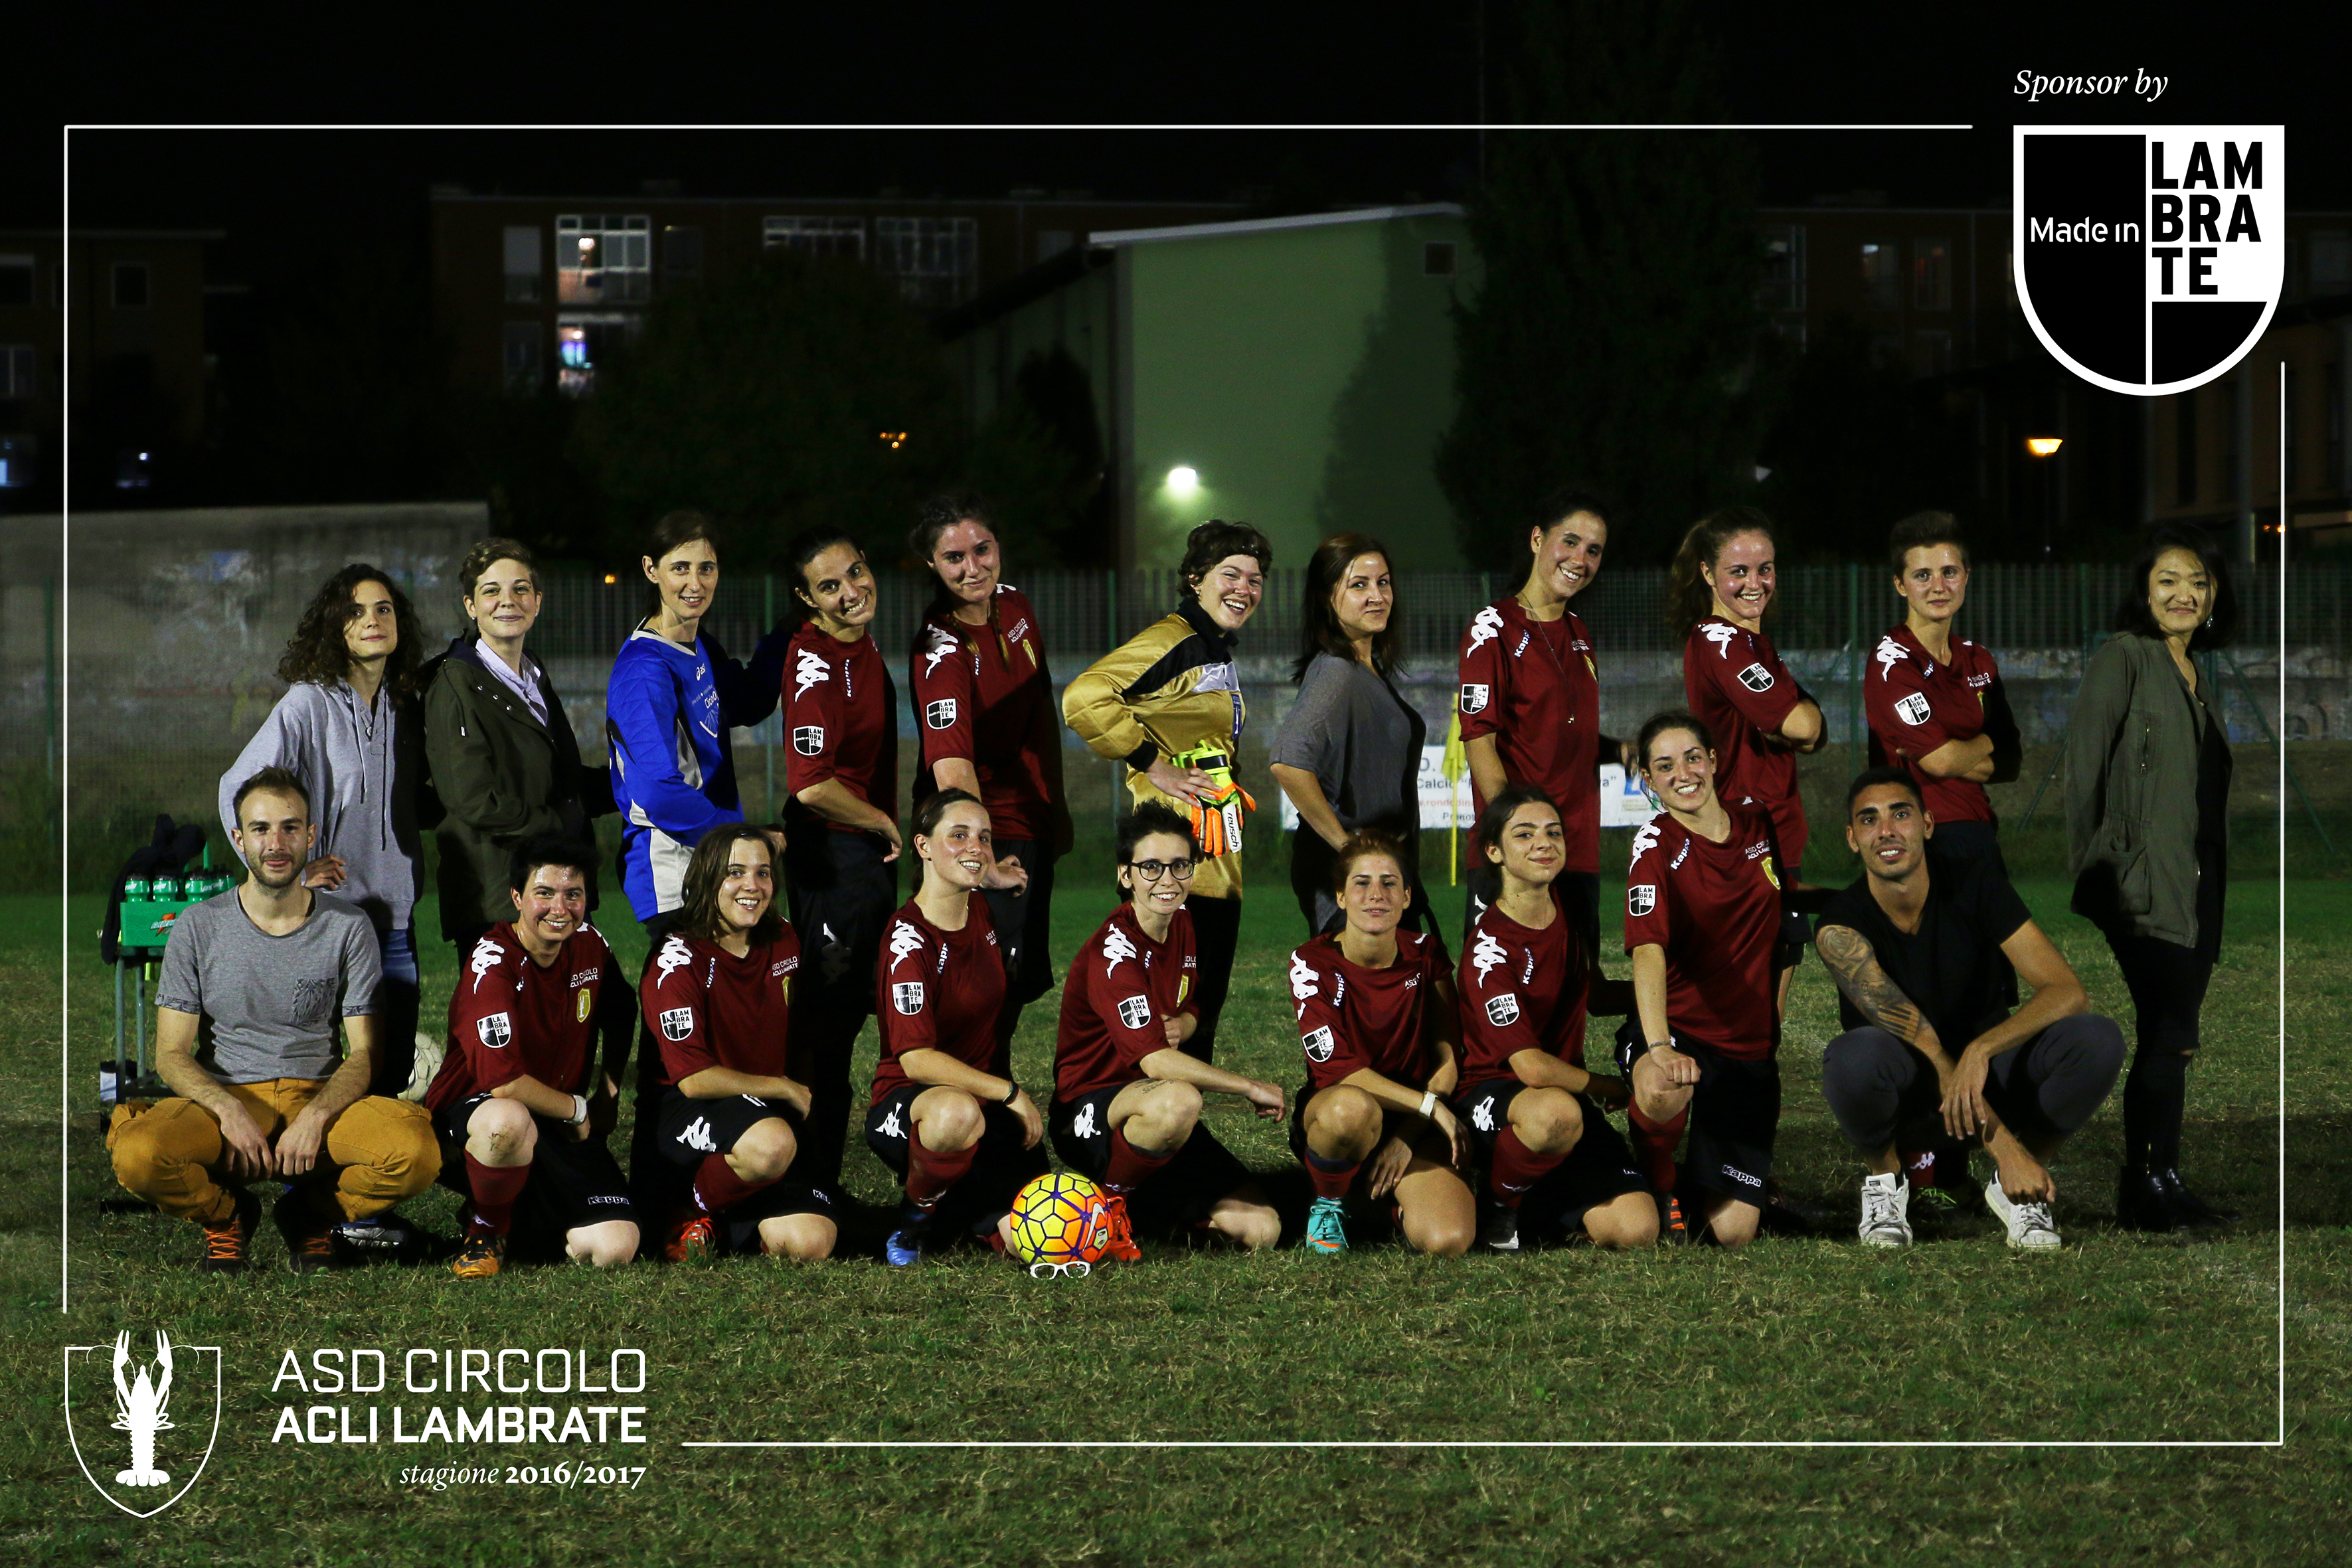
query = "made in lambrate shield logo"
{"x": 2148, "y": 259}
{"x": 143, "y": 1426}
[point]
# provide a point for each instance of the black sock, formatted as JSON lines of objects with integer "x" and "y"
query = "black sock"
{"x": 2155, "y": 1093}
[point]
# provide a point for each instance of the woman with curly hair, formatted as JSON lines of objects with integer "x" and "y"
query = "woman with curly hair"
{"x": 349, "y": 728}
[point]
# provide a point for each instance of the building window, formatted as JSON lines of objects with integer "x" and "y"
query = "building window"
{"x": 681, "y": 253}
{"x": 1437, "y": 259}
{"x": 130, "y": 285}
{"x": 603, "y": 259}
{"x": 17, "y": 454}
{"x": 1792, "y": 330}
{"x": 522, "y": 350}
{"x": 17, "y": 372}
{"x": 2331, "y": 261}
{"x": 936, "y": 261}
{"x": 1051, "y": 243}
{"x": 15, "y": 280}
{"x": 818, "y": 236}
{"x": 1784, "y": 268}
{"x": 2184, "y": 449}
{"x": 586, "y": 342}
{"x": 524, "y": 271}
{"x": 1931, "y": 353}
{"x": 1882, "y": 274}
{"x": 1931, "y": 274}
{"x": 133, "y": 469}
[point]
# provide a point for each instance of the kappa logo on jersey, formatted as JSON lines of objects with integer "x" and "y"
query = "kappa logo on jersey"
{"x": 2148, "y": 259}
{"x": 1756, "y": 678}
{"x": 1641, "y": 898}
{"x": 1135, "y": 1011}
{"x": 942, "y": 713}
{"x": 1504, "y": 1010}
{"x": 1485, "y": 627}
{"x": 1304, "y": 980}
{"x": 938, "y": 644}
{"x": 1318, "y": 1045}
{"x": 1645, "y": 839}
{"x": 891, "y": 1126}
{"x": 809, "y": 669}
{"x": 677, "y": 1022}
{"x": 697, "y": 1136}
{"x": 496, "y": 1030}
{"x": 1085, "y": 1126}
{"x": 675, "y": 955}
{"x": 1485, "y": 953}
{"x": 1482, "y": 1115}
{"x": 1720, "y": 635}
{"x": 1890, "y": 654}
{"x": 906, "y": 996}
{"x": 1118, "y": 949}
{"x": 1683, "y": 853}
{"x": 1913, "y": 709}
{"x": 904, "y": 940}
{"x": 1474, "y": 696}
{"x": 808, "y": 740}
{"x": 486, "y": 957}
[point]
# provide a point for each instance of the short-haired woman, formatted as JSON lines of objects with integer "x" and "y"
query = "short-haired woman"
{"x": 505, "y": 762}
{"x": 729, "y": 1105}
{"x": 1378, "y": 1027}
{"x": 961, "y": 1137}
{"x": 985, "y": 722}
{"x": 1168, "y": 702}
{"x": 2147, "y": 795}
{"x": 348, "y": 728}
{"x": 1349, "y": 752}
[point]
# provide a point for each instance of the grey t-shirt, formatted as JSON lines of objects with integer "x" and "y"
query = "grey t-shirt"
{"x": 1362, "y": 743}
{"x": 269, "y": 1003}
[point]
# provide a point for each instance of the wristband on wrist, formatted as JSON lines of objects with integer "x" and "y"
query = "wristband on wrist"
{"x": 579, "y": 1110}
{"x": 1012, "y": 1093}
{"x": 1428, "y": 1104}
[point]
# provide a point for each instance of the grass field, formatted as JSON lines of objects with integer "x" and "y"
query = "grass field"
{"x": 2117, "y": 1340}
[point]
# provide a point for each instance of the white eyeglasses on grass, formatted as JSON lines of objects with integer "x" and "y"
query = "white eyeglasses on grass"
{"x": 1043, "y": 1270}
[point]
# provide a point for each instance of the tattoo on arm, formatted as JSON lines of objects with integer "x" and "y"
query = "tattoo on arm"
{"x": 1850, "y": 960}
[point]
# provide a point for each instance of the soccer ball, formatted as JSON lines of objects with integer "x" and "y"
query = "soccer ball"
{"x": 1059, "y": 1219}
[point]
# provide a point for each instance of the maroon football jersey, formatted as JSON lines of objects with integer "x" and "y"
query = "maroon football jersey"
{"x": 1521, "y": 990}
{"x": 983, "y": 693}
{"x": 709, "y": 1008}
{"x": 1531, "y": 684}
{"x": 1914, "y": 704}
{"x": 837, "y": 718}
{"x": 936, "y": 990}
{"x": 1122, "y": 988}
{"x": 1716, "y": 910}
{"x": 1738, "y": 687}
{"x": 1351, "y": 1017}
{"x": 510, "y": 1017}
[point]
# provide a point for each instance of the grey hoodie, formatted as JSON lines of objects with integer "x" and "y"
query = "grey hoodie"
{"x": 349, "y": 759}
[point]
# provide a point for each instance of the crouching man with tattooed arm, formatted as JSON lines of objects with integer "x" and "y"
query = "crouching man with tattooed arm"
{"x": 1915, "y": 946}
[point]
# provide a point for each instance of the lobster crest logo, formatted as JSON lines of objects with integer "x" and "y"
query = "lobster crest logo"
{"x": 143, "y": 1411}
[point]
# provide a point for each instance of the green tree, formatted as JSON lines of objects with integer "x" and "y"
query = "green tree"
{"x": 1617, "y": 343}
{"x": 799, "y": 392}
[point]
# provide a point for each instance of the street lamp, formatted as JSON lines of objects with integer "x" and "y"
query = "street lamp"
{"x": 2045, "y": 446}
{"x": 1183, "y": 479}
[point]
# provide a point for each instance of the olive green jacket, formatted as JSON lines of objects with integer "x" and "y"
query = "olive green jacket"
{"x": 2131, "y": 784}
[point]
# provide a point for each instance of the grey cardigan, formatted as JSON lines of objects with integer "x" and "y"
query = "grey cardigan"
{"x": 2131, "y": 783}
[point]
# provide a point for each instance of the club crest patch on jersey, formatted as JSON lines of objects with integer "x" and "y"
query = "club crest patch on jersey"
{"x": 809, "y": 669}
{"x": 496, "y": 1031}
{"x": 1135, "y": 1011}
{"x": 1756, "y": 678}
{"x": 677, "y": 1022}
{"x": 942, "y": 713}
{"x": 1504, "y": 1010}
{"x": 1770, "y": 875}
{"x": 1317, "y": 1044}
{"x": 1474, "y": 696}
{"x": 584, "y": 1005}
{"x": 1913, "y": 709}
{"x": 1641, "y": 898}
{"x": 906, "y": 996}
{"x": 808, "y": 740}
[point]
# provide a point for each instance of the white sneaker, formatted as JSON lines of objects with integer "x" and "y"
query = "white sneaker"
{"x": 2030, "y": 1226}
{"x": 1885, "y": 1210}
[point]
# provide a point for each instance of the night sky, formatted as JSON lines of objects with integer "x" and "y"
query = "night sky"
{"x": 283, "y": 194}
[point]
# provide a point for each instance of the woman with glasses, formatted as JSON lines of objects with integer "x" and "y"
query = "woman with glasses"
{"x": 1378, "y": 1027}
{"x": 1126, "y": 1098}
{"x": 1167, "y": 703}
{"x": 505, "y": 762}
{"x": 985, "y": 721}
{"x": 961, "y": 1138}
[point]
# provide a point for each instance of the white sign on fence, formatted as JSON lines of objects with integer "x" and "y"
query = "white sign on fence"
{"x": 1623, "y": 802}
